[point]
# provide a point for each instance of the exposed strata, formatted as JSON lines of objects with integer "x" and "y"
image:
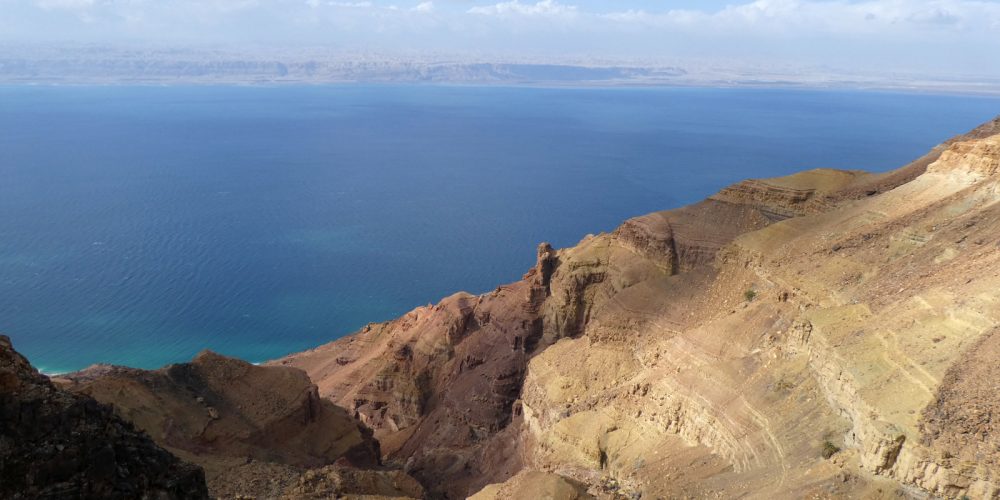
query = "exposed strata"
{"x": 826, "y": 334}
{"x": 716, "y": 349}
{"x": 55, "y": 444}
{"x": 440, "y": 384}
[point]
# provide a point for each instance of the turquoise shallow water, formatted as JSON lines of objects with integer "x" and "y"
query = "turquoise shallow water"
{"x": 139, "y": 225}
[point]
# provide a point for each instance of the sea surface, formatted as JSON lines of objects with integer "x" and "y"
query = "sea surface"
{"x": 140, "y": 225}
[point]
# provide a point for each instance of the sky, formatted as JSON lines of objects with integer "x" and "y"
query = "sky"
{"x": 943, "y": 37}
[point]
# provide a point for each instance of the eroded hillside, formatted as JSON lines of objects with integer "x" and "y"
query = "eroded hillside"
{"x": 827, "y": 334}
{"x": 258, "y": 432}
{"x": 55, "y": 444}
{"x": 823, "y": 334}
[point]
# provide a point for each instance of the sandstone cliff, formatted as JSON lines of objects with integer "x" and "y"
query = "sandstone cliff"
{"x": 808, "y": 335}
{"x": 54, "y": 444}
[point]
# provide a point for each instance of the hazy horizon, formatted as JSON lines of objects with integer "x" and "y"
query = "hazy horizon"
{"x": 942, "y": 38}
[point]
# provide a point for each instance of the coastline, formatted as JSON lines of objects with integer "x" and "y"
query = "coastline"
{"x": 990, "y": 90}
{"x": 629, "y": 187}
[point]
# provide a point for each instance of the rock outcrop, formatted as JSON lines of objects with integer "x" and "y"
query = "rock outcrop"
{"x": 960, "y": 428}
{"x": 440, "y": 385}
{"x": 254, "y": 429}
{"x": 55, "y": 444}
{"x": 830, "y": 334}
{"x": 340, "y": 482}
{"x": 534, "y": 484}
{"x": 809, "y": 356}
{"x": 799, "y": 336}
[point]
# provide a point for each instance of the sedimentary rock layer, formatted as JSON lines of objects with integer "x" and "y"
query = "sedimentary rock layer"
{"x": 792, "y": 336}
{"x": 826, "y": 334}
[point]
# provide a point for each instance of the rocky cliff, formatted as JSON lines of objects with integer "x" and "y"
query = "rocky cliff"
{"x": 257, "y": 431}
{"x": 808, "y": 335}
{"x": 54, "y": 444}
{"x": 830, "y": 334}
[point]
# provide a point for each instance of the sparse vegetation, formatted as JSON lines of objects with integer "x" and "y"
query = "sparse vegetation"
{"x": 750, "y": 294}
{"x": 784, "y": 385}
{"x": 829, "y": 449}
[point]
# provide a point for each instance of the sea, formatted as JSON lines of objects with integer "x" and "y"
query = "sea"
{"x": 140, "y": 225}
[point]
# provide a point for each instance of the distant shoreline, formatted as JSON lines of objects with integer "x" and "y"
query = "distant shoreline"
{"x": 988, "y": 91}
{"x": 152, "y": 66}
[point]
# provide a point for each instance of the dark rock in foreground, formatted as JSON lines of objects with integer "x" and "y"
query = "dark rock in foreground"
{"x": 54, "y": 444}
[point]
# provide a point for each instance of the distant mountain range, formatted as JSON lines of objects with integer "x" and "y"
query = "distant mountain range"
{"x": 104, "y": 65}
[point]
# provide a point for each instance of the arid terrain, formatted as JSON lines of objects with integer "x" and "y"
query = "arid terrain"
{"x": 831, "y": 334}
{"x": 115, "y": 64}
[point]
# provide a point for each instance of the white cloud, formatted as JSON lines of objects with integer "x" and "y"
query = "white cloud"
{"x": 960, "y": 35}
{"x": 351, "y": 5}
{"x": 515, "y": 7}
{"x": 64, "y": 4}
{"x": 844, "y": 17}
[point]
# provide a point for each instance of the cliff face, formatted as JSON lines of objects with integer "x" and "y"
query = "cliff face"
{"x": 827, "y": 334}
{"x": 844, "y": 351}
{"x": 255, "y": 430}
{"x": 54, "y": 444}
{"x": 441, "y": 386}
{"x": 222, "y": 406}
{"x": 793, "y": 336}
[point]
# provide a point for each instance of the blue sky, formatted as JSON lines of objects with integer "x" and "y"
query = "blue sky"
{"x": 943, "y": 36}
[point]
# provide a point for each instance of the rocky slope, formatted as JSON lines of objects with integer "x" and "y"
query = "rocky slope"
{"x": 808, "y": 335}
{"x": 256, "y": 431}
{"x": 54, "y": 444}
{"x": 829, "y": 334}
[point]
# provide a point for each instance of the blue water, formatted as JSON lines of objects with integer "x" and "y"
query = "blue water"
{"x": 141, "y": 225}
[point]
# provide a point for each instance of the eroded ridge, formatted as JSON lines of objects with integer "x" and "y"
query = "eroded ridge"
{"x": 825, "y": 334}
{"x": 784, "y": 336}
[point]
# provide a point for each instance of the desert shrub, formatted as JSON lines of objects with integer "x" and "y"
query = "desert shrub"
{"x": 750, "y": 295}
{"x": 784, "y": 385}
{"x": 829, "y": 449}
